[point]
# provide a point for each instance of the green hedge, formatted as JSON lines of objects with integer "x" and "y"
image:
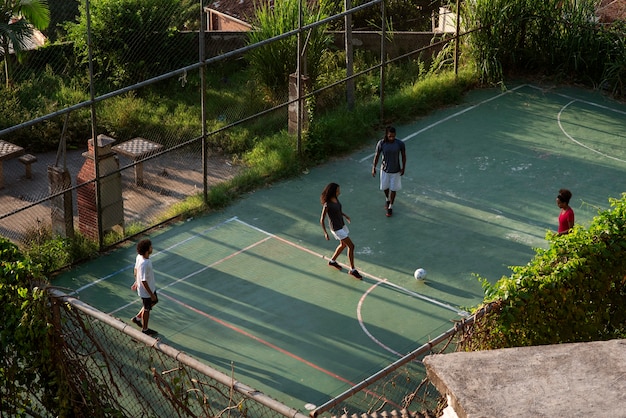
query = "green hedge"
{"x": 574, "y": 291}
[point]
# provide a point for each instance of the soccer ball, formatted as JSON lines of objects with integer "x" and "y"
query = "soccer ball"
{"x": 420, "y": 274}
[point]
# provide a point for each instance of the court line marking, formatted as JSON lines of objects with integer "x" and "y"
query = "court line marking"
{"x": 273, "y": 346}
{"x": 571, "y": 138}
{"x": 257, "y": 339}
{"x": 447, "y": 118}
{"x": 130, "y": 266}
{"x": 269, "y": 236}
{"x": 362, "y": 322}
{"x": 208, "y": 266}
{"x": 567, "y": 96}
{"x": 378, "y": 279}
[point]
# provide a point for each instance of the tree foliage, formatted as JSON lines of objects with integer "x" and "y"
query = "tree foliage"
{"x": 131, "y": 39}
{"x": 575, "y": 291}
{"x": 17, "y": 20}
{"x": 27, "y": 366}
{"x": 404, "y": 15}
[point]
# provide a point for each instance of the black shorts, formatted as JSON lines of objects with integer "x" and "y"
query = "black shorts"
{"x": 148, "y": 303}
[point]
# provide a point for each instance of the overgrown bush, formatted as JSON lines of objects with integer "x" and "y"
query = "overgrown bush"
{"x": 27, "y": 366}
{"x": 131, "y": 40}
{"x": 52, "y": 252}
{"x": 574, "y": 291}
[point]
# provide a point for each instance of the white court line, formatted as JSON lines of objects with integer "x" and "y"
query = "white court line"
{"x": 270, "y": 235}
{"x": 130, "y": 266}
{"x": 382, "y": 281}
{"x": 574, "y": 100}
{"x": 362, "y": 322}
{"x": 578, "y": 142}
{"x": 447, "y": 118}
{"x": 182, "y": 279}
{"x": 578, "y": 100}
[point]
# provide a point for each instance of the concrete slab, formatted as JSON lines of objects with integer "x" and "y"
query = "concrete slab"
{"x": 565, "y": 380}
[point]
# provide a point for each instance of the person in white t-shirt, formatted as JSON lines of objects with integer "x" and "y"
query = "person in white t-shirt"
{"x": 145, "y": 285}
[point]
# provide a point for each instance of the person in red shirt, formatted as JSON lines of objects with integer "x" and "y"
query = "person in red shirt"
{"x": 566, "y": 217}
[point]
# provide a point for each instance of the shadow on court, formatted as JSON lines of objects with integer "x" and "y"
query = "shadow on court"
{"x": 248, "y": 290}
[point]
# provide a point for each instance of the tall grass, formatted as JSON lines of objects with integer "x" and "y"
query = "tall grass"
{"x": 556, "y": 38}
{"x": 271, "y": 64}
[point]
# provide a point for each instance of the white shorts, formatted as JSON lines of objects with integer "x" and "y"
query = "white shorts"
{"x": 391, "y": 181}
{"x": 341, "y": 233}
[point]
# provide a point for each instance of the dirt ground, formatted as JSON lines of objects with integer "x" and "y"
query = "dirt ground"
{"x": 168, "y": 179}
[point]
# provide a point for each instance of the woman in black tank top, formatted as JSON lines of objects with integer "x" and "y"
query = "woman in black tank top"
{"x": 331, "y": 207}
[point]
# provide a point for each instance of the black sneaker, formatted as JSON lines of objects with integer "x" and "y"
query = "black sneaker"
{"x": 354, "y": 273}
{"x": 334, "y": 264}
{"x": 149, "y": 331}
{"x": 137, "y": 321}
{"x": 389, "y": 212}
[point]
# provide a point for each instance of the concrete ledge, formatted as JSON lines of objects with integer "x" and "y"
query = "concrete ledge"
{"x": 565, "y": 380}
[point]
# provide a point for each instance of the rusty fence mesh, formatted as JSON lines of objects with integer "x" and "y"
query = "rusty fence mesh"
{"x": 402, "y": 388}
{"x": 136, "y": 375}
{"x": 113, "y": 367}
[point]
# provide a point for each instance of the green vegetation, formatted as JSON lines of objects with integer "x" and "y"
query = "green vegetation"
{"x": 18, "y": 18}
{"x": 131, "y": 40}
{"x": 570, "y": 292}
{"x": 52, "y": 252}
{"x": 272, "y": 64}
{"x": 551, "y": 38}
{"x": 574, "y": 291}
{"x": 27, "y": 358}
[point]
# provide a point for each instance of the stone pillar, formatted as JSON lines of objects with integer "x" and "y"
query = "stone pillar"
{"x": 62, "y": 205}
{"x": 305, "y": 85}
{"x": 111, "y": 202}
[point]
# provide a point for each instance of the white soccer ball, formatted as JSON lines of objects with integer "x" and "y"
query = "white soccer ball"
{"x": 420, "y": 274}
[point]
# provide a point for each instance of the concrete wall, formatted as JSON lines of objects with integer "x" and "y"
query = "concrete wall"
{"x": 219, "y": 42}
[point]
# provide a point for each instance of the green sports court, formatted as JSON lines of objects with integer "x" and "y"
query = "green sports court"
{"x": 248, "y": 291}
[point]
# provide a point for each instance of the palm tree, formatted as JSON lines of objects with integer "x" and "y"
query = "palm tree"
{"x": 18, "y": 19}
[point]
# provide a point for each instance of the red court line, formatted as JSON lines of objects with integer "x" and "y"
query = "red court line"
{"x": 273, "y": 346}
{"x": 257, "y": 339}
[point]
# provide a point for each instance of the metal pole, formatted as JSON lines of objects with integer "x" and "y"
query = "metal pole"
{"x": 382, "y": 61}
{"x": 299, "y": 81}
{"x": 93, "y": 128}
{"x": 456, "y": 38}
{"x": 205, "y": 172}
{"x": 349, "y": 57}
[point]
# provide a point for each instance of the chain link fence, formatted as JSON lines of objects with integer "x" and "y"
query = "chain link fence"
{"x": 112, "y": 366}
{"x": 169, "y": 107}
{"x": 108, "y": 141}
{"x": 115, "y": 370}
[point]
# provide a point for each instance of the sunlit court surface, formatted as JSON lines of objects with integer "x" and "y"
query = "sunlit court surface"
{"x": 248, "y": 290}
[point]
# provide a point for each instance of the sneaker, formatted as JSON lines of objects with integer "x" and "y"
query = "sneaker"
{"x": 149, "y": 331}
{"x": 389, "y": 212}
{"x": 334, "y": 264}
{"x": 137, "y": 321}
{"x": 354, "y": 273}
